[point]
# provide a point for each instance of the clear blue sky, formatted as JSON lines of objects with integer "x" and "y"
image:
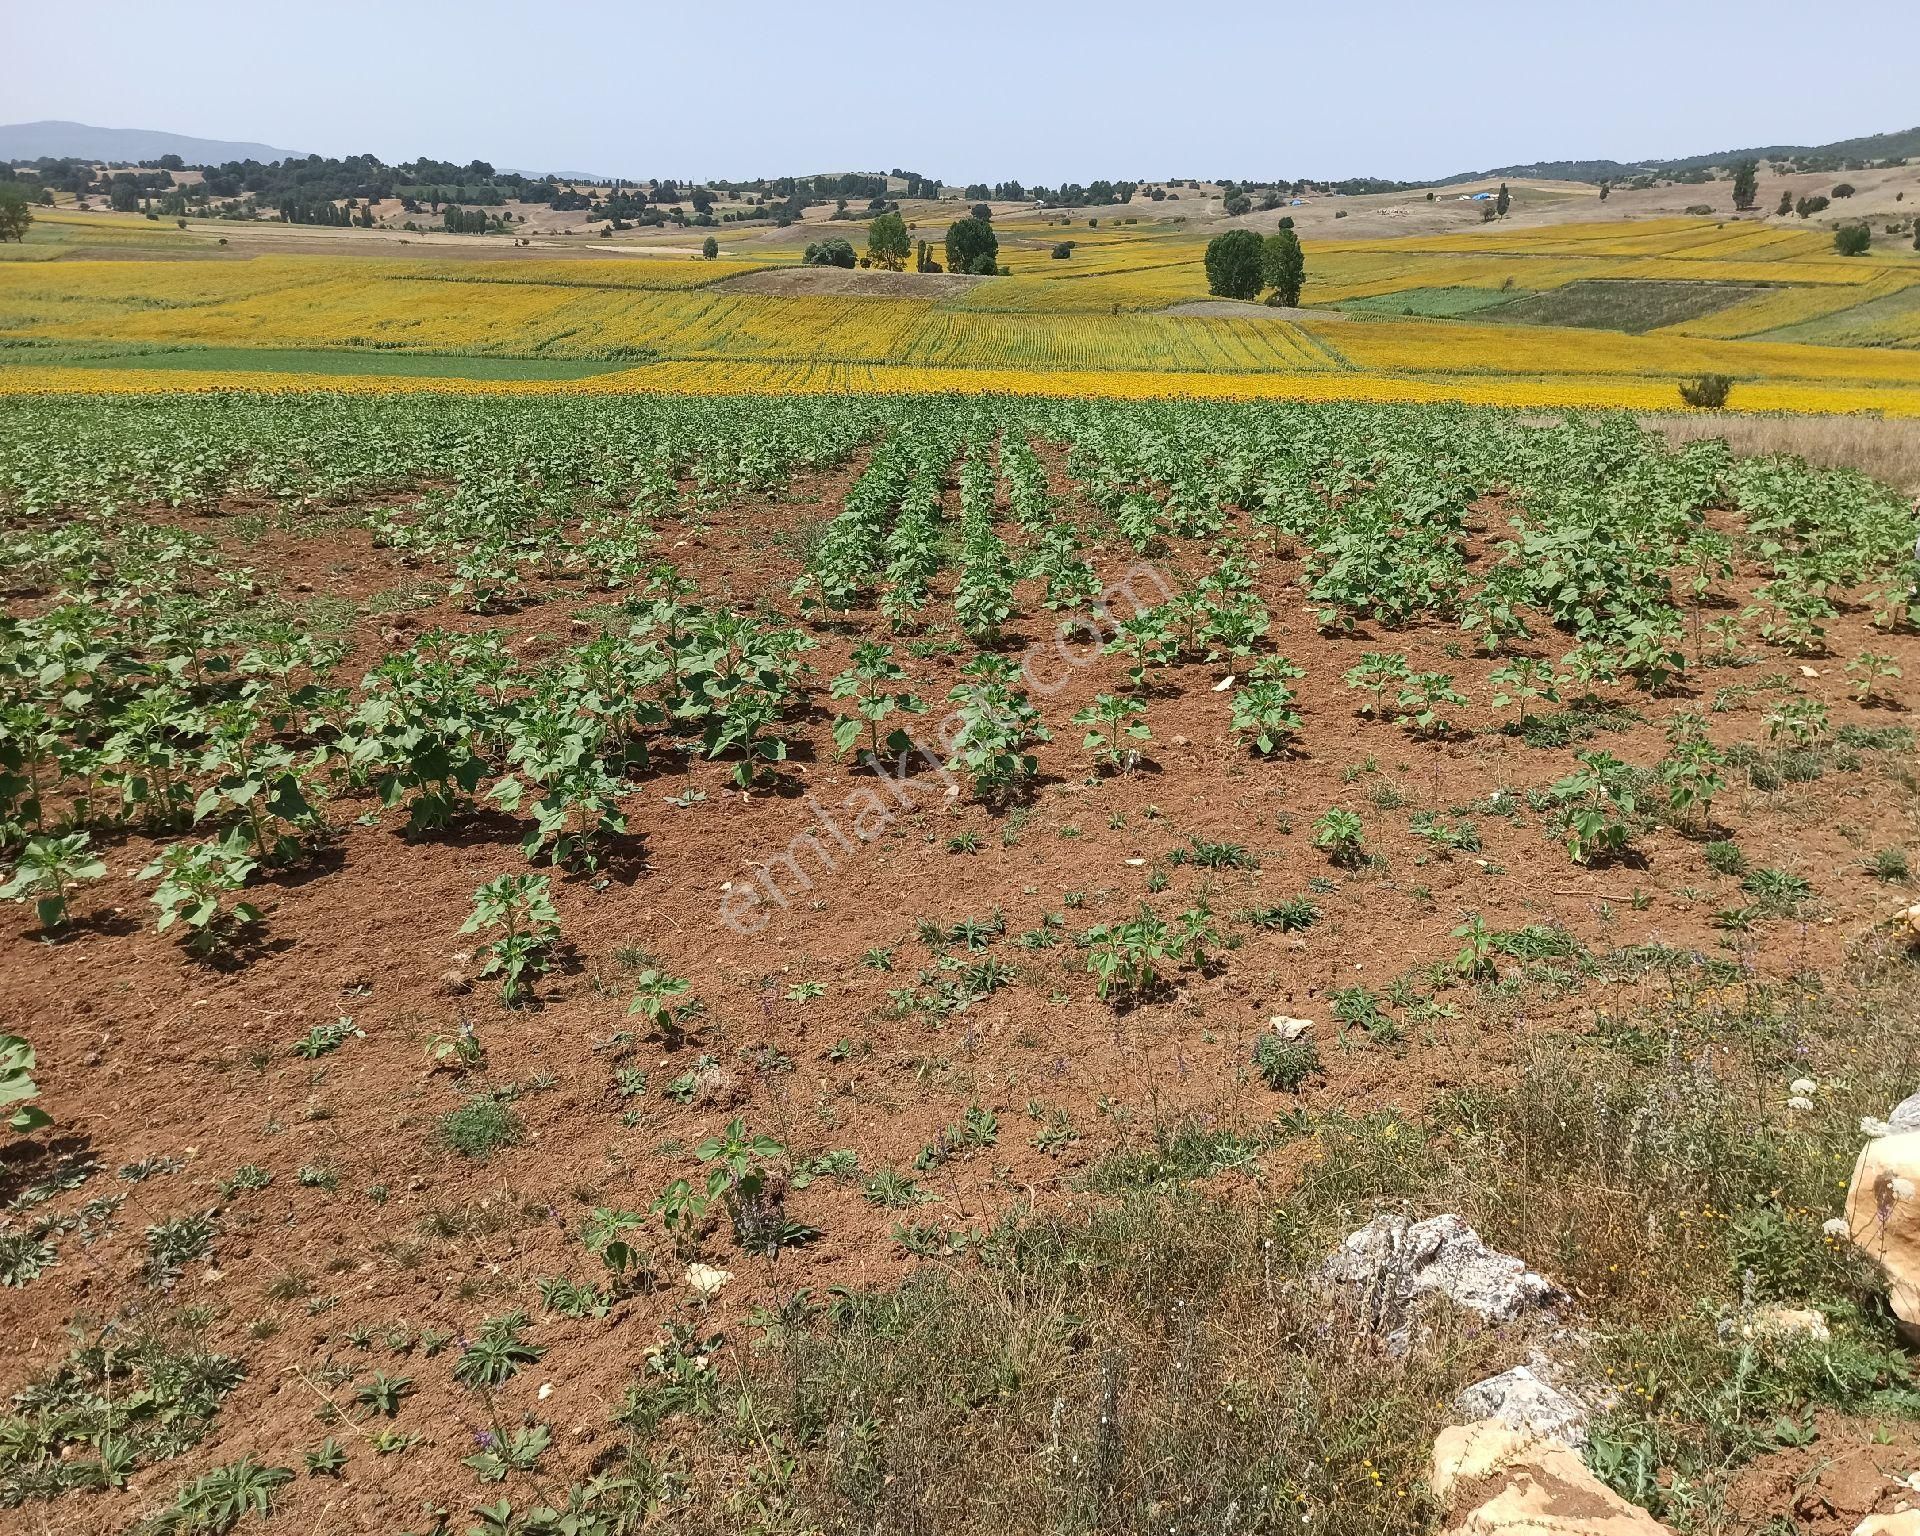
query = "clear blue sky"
{"x": 979, "y": 90}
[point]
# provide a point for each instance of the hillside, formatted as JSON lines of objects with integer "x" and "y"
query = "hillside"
{"x": 1871, "y": 147}
{"x": 83, "y": 141}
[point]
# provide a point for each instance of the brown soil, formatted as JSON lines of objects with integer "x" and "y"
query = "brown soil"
{"x": 1853, "y": 1468}
{"x": 145, "y": 1053}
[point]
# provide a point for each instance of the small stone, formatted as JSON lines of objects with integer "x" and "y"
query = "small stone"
{"x": 707, "y": 1282}
{"x": 1787, "y": 1325}
{"x": 1289, "y": 1028}
{"x": 1181, "y": 741}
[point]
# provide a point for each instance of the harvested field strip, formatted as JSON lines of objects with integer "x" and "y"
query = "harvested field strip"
{"x": 1542, "y": 391}
{"x": 1773, "y": 309}
{"x": 1620, "y": 304}
{"x": 1886, "y": 320}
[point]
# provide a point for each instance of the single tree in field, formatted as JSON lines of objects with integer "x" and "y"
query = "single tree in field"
{"x": 15, "y": 214}
{"x": 1283, "y": 267}
{"x": 1605, "y": 188}
{"x": 887, "y": 244}
{"x": 1234, "y": 263}
{"x": 1786, "y": 205}
{"x": 710, "y": 248}
{"x": 1746, "y": 186}
{"x": 972, "y": 246}
{"x": 1852, "y": 239}
{"x": 1502, "y": 202}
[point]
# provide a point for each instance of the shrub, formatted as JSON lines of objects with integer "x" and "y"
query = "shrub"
{"x": 1852, "y": 239}
{"x": 828, "y": 253}
{"x": 1063, "y": 250}
{"x": 480, "y": 1127}
{"x": 1284, "y": 1065}
{"x": 18, "y": 1089}
{"x": 1708, "y": 392}
{"x": 1725, "y": 858}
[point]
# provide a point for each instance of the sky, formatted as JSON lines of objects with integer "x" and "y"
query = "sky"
{"x": 983, "y": 90}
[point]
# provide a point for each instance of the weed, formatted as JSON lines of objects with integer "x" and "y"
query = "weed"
{"x": 480, "y": 1127}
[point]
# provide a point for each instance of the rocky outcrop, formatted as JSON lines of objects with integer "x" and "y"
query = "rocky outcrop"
{"x": 1492, "y": 1480}
{"x": 1526, "y": 1399}
{"x": 1387, "y": 1266}
{"x": 1905, "y": 1523}
{"x": 1883, "y": 1216}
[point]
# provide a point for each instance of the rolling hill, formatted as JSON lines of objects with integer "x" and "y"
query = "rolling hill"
{"x": 31, "y": 141}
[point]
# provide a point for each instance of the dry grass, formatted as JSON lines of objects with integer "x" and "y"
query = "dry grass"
{"x": 1887, "y": 449}
{"x": 1162, "y": 1360}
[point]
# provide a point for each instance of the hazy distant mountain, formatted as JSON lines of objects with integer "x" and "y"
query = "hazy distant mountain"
{"x": 30, "y": 141}
{"x": 1876, "y": 146}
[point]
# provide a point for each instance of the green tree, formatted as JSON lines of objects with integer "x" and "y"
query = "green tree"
{"x": 972, "y": 246}
{"x": 1746, "y": 186}
{"x": 830, "y": 253}
{"x": 887, "y": 243}
{"x": 1234, "y": 263}
{"x": 710, "y": 248}
{"x": 1605, "y": 188}
{"x": 1502, "y": 202}
{"x": 1786, "y": 205}
{"x": 1283, "y": 267}
{"x": 1852, "y": 239}
{"x": 15, "y": 214}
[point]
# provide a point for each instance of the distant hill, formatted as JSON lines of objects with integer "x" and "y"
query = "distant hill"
{"x": 82, "y": 141}
{"x": 1876, "y": 146}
